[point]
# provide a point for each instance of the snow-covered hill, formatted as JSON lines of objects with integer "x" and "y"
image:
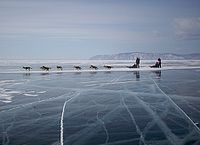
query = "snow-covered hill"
{"x": 147, "y": 56}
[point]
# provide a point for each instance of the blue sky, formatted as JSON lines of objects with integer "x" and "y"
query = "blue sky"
{"x": 79, "y": 29}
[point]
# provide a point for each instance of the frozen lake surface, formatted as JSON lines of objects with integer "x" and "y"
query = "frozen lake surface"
{"x": 160, "y": 107}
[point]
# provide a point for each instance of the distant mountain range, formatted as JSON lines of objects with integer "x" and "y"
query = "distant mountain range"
{"x": 147, "y": 56}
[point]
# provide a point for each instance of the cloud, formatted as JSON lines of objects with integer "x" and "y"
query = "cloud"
{"x": 64, "y": 19}
{"x": 187, "y": 28}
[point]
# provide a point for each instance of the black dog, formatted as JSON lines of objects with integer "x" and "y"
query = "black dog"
{"x": 108, "y": 66}
{"x": 27, "y": 68}
{"x": 60, "y": 67}
{"x": 77, "y": 67}
{"x": 45, "y": 68}
{"x": 93, "y": 67}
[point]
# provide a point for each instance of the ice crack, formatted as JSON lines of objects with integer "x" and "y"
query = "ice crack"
{"x": 106, "y": 131}
{"x": 178, "y": 108}
{"x": 62, "y": 120}
{"x": 133, "y": 120}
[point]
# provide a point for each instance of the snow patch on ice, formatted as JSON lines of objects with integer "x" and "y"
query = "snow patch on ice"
{"x": 6, "y": 95}
{"x": 41, "y": 92}
{"x": 33, "y": 93}
{"x": 30, "y": 95}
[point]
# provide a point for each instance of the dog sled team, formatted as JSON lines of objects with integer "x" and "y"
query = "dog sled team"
{"x": 46, "y": 68}
{"x": 135, "y": 65}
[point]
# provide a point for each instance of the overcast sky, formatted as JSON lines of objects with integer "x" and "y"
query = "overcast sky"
{"x": 79, "y": 29}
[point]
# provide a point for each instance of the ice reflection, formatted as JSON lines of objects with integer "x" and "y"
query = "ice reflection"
{"x": 26, "y": 74}
{"x": 93, "y": 72}
{"x": 77, "y": 73}
{"x": 107, "y": 72}
{"x": 157, "y": 73}
{"x": 137, "y": 75}
{"x": 95, "y": 109}
{"x": 59, "y": 73}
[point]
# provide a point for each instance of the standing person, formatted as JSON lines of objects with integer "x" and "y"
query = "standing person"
{"x": 138, "y": 62}
{"x": 159, "y": 62}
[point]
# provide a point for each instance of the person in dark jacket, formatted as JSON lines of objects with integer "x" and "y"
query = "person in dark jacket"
{"x": 159, "y": 62}
{"x": 137, "y": 62}
{"x": 157, "y": 65}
